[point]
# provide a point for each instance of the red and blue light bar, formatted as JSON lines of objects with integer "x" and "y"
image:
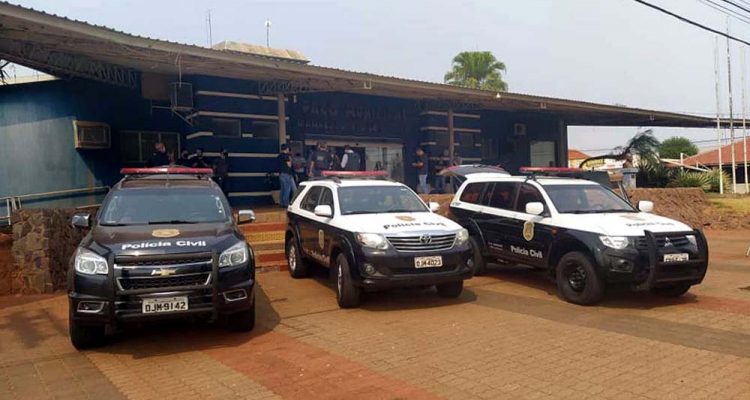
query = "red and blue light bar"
{"x": 355, "y": 174}
{"x": 531, "y": 170}
{"x": 167, "y": 170}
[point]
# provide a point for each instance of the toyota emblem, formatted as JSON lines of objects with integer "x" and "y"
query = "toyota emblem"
{"x": 425, "y": 239}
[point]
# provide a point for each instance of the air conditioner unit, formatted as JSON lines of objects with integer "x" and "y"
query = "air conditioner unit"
{"x": 91, "y": 135}
{"x": 181, "y": 96}
{"x": 519, "y": 129}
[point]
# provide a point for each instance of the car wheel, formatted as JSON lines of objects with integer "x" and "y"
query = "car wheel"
{"x": 243, "y": 321}
{"x": 298, "y": 268}
{"x": 480, "y": 264}
{"x": 86, "y": 336}
{"x": 450, "y": 290}
{"x": 671, "y": 290}
{"x": 577, "y": 279}
{"x": 347, "y": 295}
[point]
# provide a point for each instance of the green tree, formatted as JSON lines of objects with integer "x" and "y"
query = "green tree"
{"x": 477, "y": 69}
{"x": 644, "y": 144}
{"x": 672, "y": 147}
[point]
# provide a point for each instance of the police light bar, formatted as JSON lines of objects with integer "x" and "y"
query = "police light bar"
{"x": 531, "y": 170}
{"x": 355, "y": 174}
{"x": 167, "y": 170}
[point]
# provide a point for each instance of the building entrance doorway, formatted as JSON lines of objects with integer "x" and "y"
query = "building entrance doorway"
{"x": 375, "y": 156}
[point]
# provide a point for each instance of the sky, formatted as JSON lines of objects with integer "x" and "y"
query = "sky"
{"x": 607, "y": 51}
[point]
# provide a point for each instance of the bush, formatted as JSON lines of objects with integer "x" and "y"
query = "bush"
{"x": 691, "y": 179}
{"x": 714, "y": 175}
{"x": 653, "y": 175}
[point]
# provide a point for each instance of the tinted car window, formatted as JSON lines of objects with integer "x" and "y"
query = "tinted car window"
{"x": 527, "y": 194}
{"x": 472, "y": 192}
{"x": 311, "y": 199}
{"x": 296, "y": 194}
{"x": 500, "y": 195}
{"x": 378, "y": 199}
{"x": 152, "y": 206}
{"x": 326, "y": 199}
{"x": 582, "y": 199}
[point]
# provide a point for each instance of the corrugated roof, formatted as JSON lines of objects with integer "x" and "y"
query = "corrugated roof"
{"x": 711, "y": 157}
{"x": 574, "y": 154}
{"x": 254, "y": 49}
{"x": 25, "y": 26}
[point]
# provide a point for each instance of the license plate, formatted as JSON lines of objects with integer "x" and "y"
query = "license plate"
{"x": 428, "y": 262}
{"x": 677, "y": 257}
{"x": 165, "y": 304}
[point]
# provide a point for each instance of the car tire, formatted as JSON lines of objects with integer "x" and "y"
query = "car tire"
{"x": 450, "y": 290}
{"x": 675, "y": 290}
{"x": 86, "y": 336}
{"x": 480, "y": 263}
{"x": 577, "y": 279}
{"x": 298, "y": 267}
{"x": 347, "y": 294}
{"x": 242, "y": 321}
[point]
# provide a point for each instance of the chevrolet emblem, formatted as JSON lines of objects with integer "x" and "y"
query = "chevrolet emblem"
{"x": 163, "y": 272}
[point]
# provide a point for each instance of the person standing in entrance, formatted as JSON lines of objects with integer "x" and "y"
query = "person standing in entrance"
{"x": 351, "y": 161}
{"x": 184, "y": 159}
{"x": 221, "y": 170}
{"x": 286, "y": 176}
{"x": 159, "y": 158}
{"x": 320, "y": 160}
{"x": 420, "y": 165}
{"x": 442, "y": 163}
{"x": 198, "y": 160}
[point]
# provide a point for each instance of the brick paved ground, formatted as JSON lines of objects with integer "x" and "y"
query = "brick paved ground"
{"x": 508, "y": 336}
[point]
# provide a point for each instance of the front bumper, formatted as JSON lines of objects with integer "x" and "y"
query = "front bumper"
{"x": 106, "y": 302}
{"x": 393, "y": 268}
{"x": 644, "y": 267}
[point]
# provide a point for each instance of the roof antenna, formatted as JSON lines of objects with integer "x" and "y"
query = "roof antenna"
{"x": 268, "y": 32}
{"x": 208, "y": 28}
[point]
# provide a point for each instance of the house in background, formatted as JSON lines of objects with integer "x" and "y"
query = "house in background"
{"x": 710, "y": 159}
{"x": 576, "y": 157}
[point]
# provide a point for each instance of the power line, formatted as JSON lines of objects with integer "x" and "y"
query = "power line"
{"x": 726, "y": 11}
{"x": 736, "y": 5}
{"x": 699, "y": 143}
{"x": 691, "y": 22}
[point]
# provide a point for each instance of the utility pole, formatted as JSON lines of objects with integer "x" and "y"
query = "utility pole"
{"x": 208, "y": 28}
{"x": 731, "y": 116}
{"x": 268, "y": 32}
{"x": 744, "y": 123}
{"x": 718, "y": 111}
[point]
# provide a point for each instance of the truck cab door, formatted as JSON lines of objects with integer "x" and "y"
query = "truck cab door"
{"x": 531, "y": 234}
{"x": 496, "y": 220}
{"x": 308, "y": 235}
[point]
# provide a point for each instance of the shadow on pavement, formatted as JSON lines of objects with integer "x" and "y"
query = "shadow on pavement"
{"x": 408, "y": 298}
{"x": 178, "y": 336}
{"x": 614, "y": 298}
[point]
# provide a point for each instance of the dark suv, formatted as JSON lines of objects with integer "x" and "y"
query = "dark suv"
{"x": 164, "y": 245}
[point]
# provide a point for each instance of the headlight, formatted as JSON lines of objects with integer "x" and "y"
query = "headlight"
{"x": 374, "y": 240}
{"x": 461, "y": 237}
{"x": 89, "y": 263}
{"x": 692, "y": 240}
{"x": 615, "y": 242}
{"x": 235, "y": 255}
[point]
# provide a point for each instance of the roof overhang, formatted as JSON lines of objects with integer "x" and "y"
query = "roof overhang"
{"x": 69, "y": 48}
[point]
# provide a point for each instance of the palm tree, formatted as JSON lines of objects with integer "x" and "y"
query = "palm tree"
{"x": 644, "y": 144}
{"x": 477, "y": 69}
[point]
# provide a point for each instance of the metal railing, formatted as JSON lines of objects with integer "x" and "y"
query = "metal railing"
{"x": 13, "y": 203}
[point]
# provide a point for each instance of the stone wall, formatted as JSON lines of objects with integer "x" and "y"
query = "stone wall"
{"x": 6, "y": 263}
{"x": 43, "y": 241}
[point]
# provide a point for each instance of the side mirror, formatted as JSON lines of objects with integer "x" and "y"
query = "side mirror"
{"x": 434, "y": 207}
{"x": 646, "y": 206}
{"x": 81, "y": 221}
{"x": 245, "y": 216}
{"x": 534, "y": 208}
{"x": 323, "y": 211}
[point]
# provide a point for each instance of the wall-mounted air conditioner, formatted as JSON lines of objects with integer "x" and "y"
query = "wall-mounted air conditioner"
{"x": 91, "y": 135}
{"x": 181, "y": 96}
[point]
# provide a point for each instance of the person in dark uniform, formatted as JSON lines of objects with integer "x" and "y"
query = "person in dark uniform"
{"x": 184, "y": 159}
{"x": 299, "y": 165}
{"x": 160, "y": 157}
{"x": 320, "y": 160}
{"x": 198, "y": 160}
{"x": 420, "y": 165}
{"x": 440, "y": 164}
{"x": 221, "y": 170}
{"x": 351, "y": 160}
{"x": 286, "y": 176}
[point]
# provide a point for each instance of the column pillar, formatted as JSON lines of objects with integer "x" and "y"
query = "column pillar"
{"x": 281, "y": 112}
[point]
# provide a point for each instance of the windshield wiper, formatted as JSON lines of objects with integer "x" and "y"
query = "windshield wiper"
{"x": 112, "y": 224}
{"x": 172, "y": 222}
{"x": 593, "y": 211}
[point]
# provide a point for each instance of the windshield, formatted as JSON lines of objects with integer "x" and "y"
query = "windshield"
{"x": 378, "y": 199}
{"x": 170, "y": 206}
{"x": 584, "y": 199}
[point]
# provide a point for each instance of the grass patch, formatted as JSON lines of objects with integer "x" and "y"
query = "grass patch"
{"x": 733, "y": 203}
